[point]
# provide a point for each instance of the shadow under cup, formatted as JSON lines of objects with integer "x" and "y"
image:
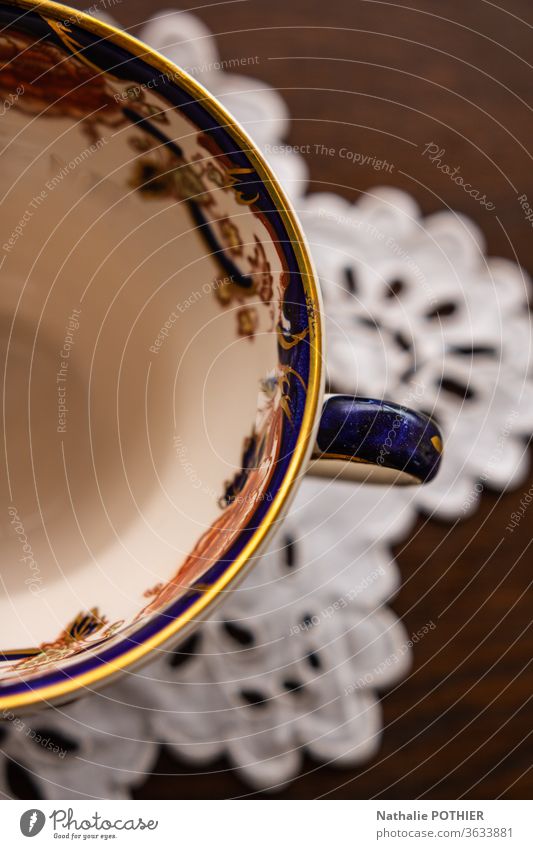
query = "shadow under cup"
{"x": 159, "y": 351}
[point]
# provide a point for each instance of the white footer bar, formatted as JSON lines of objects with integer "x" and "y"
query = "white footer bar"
{"x": 267, "y": 824}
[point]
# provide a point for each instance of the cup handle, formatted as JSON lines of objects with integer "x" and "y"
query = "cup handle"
{"x": 375, "y": 441}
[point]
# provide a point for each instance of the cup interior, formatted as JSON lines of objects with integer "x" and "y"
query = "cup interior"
{"x": 155, "y": 342}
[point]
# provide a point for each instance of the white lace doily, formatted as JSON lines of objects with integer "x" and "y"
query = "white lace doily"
{"x": 292, "y": 661}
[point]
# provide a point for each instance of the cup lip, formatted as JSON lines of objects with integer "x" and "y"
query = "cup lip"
{"x": 185, "y": 621}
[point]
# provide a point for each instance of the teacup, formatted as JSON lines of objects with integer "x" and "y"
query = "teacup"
{"x": 162, "y": 352}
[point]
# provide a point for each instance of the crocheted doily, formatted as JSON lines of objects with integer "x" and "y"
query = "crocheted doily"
{"x": 292, "y": 661}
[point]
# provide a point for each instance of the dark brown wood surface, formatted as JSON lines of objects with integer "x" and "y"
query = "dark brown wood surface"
{"x": 374, "y": 76}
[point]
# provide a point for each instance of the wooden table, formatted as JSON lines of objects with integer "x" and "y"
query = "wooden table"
{"x": 375, "y": 76}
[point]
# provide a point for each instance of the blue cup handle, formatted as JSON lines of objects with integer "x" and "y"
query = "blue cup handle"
{"x": 378, "y": 441}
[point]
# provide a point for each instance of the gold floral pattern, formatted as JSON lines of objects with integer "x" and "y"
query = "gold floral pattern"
{"x": 230, "y": 236}
{"x": 160, "y": 173}
{"x": 86, "y": 629}
{"x": 261, "y": 272}
{"x": 247, "y": 321}
{"x": 262, "y": 286}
